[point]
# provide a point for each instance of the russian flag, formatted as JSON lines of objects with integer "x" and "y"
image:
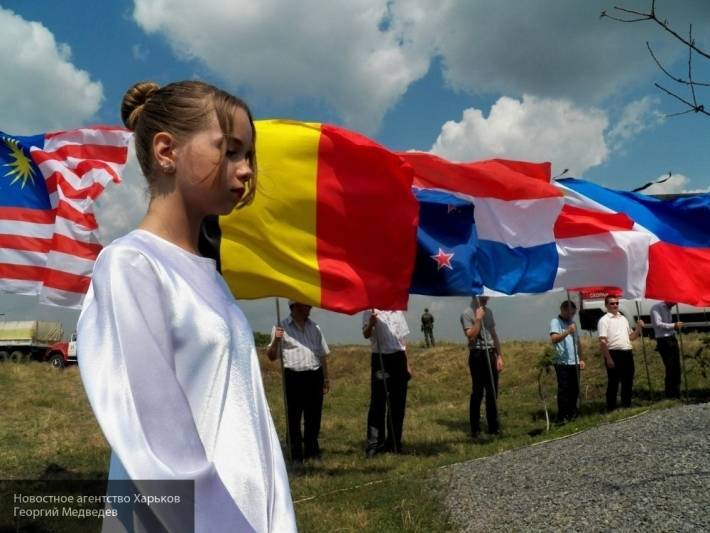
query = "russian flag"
{"x": 666, "y": 242}
{"x": 509, "y": 245}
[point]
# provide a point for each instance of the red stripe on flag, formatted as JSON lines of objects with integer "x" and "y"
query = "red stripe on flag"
{"x": 366, "y": 220}
{"x": 27, "y": 244}
{"x": 578, "y": 222}
{"x": 678, "y": 274}
{"x": 85, "y": 250}
{"x": 37, "y": 216}
{"x": 86, "y": 166}
{"x": 100, "y": 127}
{"x": 495, "y": 178}
{"x": 57, "y": 179}
{"x": 50, "y": 278}
{"x": 114, "y": 154}
{"x": 86, "y": 220}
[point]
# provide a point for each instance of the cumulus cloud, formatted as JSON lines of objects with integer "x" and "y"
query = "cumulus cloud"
{"x": 121, "y": 206}
{"x": 47, "y": 91}
{"x": 570, "y": 136}
{"x": 532, "y": 129}
{"x": 546, "y": 48}
{"x": 352, "y": 56}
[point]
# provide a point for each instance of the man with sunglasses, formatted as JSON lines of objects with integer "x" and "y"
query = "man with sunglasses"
{"x": 615, "y": 336}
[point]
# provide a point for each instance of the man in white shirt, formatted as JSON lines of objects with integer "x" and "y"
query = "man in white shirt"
{"x": 305, "y": 377}
{"x": 615, "y": 336}
{"x": 387, "y": 331}
{"x": 667, "y": 345}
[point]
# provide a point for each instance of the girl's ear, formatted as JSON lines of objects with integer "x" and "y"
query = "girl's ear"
{"x": 164, "y": 152}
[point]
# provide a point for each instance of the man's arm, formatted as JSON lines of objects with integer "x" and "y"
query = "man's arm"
{"x": 272, "y": 350}
{"x": 604, "y": 347}
{"x": 326, "y": 378}
{"x": 657, "y": 321}
{"x": 560, "y": 336}
{"x": 636, "y": 333}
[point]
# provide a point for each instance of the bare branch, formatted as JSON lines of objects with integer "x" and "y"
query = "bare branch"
{"x": 689, "y": 81}
{"x": 696, "y": 108}
{"x": 663, "y": 24}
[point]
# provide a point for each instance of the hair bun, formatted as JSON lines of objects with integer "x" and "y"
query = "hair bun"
{"x": 134, "y": 100}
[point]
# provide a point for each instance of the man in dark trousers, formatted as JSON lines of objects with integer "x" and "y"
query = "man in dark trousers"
{"x": 667, "y": 345}
{"x": 479, "y": 326}
{"x": 428, "y": 327}
{"x": 615, "y": 336}
{"x": 305, "y": 376}
{"x": 568, "y": 361}
{"x": 389, "y": 376}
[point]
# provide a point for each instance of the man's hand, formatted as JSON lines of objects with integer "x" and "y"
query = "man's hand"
{"x": 373, "y": 320}
{"x": 326, "y": 386}
{"x": 572, "y": 328}
{"x": 639, "y": 324}
{"x": 278, "y": 334}
{"x": 609, "y": 362}
{"x": 480, "y": 313}
{"x": 678, "y": 325}
{"x": 582, "y": 364}
{"x": 499, "y": 363}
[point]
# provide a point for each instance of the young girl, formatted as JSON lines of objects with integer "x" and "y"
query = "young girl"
{"x": 166, "y": 355}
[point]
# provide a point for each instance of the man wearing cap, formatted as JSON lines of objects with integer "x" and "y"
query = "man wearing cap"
{"x": 305, "y": 376}
{"x": 667, "y": 345}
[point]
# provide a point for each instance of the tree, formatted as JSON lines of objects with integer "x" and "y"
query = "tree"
{"x": 691, "y": 102}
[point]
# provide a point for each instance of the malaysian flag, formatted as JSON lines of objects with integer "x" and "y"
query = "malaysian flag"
{"x": 48, "y": 232}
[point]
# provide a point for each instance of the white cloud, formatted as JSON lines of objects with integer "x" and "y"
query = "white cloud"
{"x": 121, "y": 206}
{"x": 570, "y": 136}
{"x": 531, "y": 129}
{"x": 547, "y": 48}
{"x": 637, "y": 117}
{"x": 47, "y": 91}
{"x": 352, "y": 56}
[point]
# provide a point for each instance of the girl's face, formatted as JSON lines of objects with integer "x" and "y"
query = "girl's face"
{"x": 211, "y": 167}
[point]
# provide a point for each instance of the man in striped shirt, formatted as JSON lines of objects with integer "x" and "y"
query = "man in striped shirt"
{"x": 305, "y": 376}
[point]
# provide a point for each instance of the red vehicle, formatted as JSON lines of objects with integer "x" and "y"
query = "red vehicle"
{"x": 61, "y": 354}
{"x": 36, "y": 340}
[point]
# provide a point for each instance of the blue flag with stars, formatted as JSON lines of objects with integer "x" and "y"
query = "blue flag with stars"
{"x": 21, "y": 182}
{"x": 446, "y": 246}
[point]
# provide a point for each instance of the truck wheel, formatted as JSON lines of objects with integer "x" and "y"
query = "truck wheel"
{"x": 17, "y": 356}
{"x": 4, "y": 356}
{"x": 56, "y": 360}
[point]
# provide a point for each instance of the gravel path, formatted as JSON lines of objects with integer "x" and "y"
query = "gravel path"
{"x": 648, "y": 473}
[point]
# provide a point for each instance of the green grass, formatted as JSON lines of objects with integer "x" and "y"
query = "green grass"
{"x": 46, "y": 426}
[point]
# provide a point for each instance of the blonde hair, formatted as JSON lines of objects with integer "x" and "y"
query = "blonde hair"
{"x": 181, "y": 109}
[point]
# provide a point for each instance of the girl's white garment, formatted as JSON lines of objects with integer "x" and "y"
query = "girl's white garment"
{"x": 169, "y": 365}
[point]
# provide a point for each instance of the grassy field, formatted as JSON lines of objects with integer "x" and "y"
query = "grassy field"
{"x": 47, "y": 429}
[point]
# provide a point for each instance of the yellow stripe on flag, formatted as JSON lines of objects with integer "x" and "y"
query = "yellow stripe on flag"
{"x": 269, "y": 247}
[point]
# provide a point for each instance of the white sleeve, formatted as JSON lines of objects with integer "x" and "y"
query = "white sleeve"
{"x": 125, "y": 357}
{"x": 657, "y": 320}
{"x": 603, "y": 328}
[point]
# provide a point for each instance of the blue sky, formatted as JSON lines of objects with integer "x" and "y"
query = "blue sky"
{"x": 539, "y": 80}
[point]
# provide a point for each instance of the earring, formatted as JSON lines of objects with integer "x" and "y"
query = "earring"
{"x": 168, "y": 168}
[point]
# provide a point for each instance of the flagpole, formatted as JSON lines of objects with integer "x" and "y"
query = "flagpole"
{"x": 575, "y": 338}
{"x": 643, "y": 349}
{"x": 490, "y": 367}
{"x": 682, "y": 352}
{"x": 279, "y": 351}
{"x": 388, "y": 404}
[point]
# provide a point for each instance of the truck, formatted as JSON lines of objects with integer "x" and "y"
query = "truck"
{"x": 38, "y": 340}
